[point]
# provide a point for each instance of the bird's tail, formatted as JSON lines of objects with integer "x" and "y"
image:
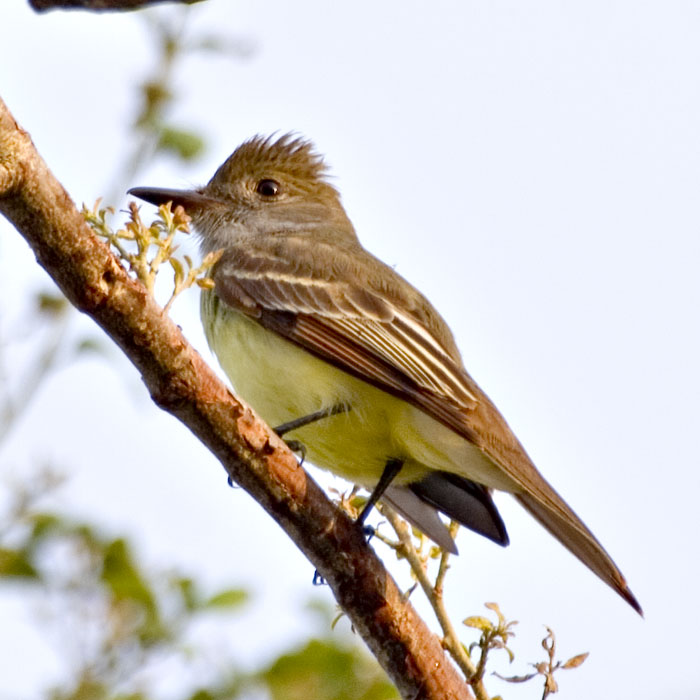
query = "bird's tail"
{"x": 566, "y": 526}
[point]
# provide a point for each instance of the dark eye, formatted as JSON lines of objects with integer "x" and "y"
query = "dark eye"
{"x": 268, "y": 188}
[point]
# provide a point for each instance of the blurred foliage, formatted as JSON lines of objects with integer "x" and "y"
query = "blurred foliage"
{"x": 153, "y": 130}
{"x": 122, "y": 626}
{"x": 324, "y": 670}
{"x": 34, "y": 341}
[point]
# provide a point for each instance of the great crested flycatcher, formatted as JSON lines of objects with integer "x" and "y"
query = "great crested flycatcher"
{"x": 334, "y": 347}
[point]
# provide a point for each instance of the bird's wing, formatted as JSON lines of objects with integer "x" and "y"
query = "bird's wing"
{"x": 380, "y": 333}
{"x": 383, "y": 332}
{"x": 350, "y": 325}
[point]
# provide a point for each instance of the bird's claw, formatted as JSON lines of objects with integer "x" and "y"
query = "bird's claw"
{"x": 299, "y": 447}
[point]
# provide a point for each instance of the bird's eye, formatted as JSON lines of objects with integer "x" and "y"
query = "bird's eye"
{"x": 268, "y": 188}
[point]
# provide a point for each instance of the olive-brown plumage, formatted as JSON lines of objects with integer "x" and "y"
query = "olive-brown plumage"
{"x": 303, "y": 319}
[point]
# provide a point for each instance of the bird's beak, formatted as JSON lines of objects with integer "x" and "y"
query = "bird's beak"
{"x": 190, "y": 200}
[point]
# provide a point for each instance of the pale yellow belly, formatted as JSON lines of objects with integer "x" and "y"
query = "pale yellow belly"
{"x": 283, "y": 382}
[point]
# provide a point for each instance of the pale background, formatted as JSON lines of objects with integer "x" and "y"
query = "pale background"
{"x": 534, "y": 168}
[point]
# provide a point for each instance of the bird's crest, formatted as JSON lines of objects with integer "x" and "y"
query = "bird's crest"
{"x": 264, "y": 156}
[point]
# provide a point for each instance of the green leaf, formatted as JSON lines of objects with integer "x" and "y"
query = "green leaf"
{"x": 324, "y": 670}
{"x": 44, "y": 524}
{"x": 231, "y": 598}
{"x": 188, "y": 591}
{"x": 184, "y": 144}
{"x": 123, "y": 578}
{"x": 202, "y": 695}
{"x": 15, "y": 563}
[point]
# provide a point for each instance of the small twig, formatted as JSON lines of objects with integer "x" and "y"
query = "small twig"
{"x": 444, "y": 559}
{"x": 547, "y": 668}
{"x": 155, "y": 245}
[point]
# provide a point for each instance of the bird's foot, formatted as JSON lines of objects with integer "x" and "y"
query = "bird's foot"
{"x": 368, "y": 531}
{"x": 298, "y": 447}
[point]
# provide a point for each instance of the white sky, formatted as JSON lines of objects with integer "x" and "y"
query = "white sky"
{"x": 534, "y": 168}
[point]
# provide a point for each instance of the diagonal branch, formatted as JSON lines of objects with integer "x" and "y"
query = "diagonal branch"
{"x": 100, "y": 5}
{"x": 182, "y": 384}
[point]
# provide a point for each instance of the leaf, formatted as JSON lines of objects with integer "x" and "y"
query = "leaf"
{"x": 478, "y": 622}
{"x": 231, "y": 598}
{"x": 575, "y": 661}
{"x": 203, "y": 694}
{"x": 178, "y": 270}
{"x": 515, "y": 679}
{"x": 44, "y": 524}
{"x": 325, "y": 670}
{"x": 87, "y": 345}
{"x": 51, "y": 304}
{"x": 185, "y": 144}
{"x": 122, "y": 576}
{"x": 15, "y": 563}
{"x": 188, "y": 591}
{"x": 212, "y": 258}
{"x": 497, "y": 610}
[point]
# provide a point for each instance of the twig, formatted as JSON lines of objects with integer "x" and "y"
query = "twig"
{"x": 100, "y": 5}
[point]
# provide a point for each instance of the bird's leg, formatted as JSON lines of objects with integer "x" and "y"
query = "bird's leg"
{"x": 391, "y": 469}
{"x": 298, "y": 446}
{"x": 311, "y": 418}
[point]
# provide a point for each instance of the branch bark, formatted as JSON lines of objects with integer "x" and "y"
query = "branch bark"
{"x": 181, "y": 383}
{"x": 100, "y": 5}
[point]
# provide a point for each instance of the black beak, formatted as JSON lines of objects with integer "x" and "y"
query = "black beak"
{"x": 189, "y": 199}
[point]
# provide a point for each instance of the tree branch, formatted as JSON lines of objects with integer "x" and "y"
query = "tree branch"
{"x": 181, "y": 383}
{"x": 100, "y": 5}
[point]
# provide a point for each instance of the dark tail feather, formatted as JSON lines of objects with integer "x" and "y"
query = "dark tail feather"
{"x": 462, "y": 500}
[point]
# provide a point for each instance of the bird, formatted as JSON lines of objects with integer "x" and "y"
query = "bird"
{"x": 338, "y": 351}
